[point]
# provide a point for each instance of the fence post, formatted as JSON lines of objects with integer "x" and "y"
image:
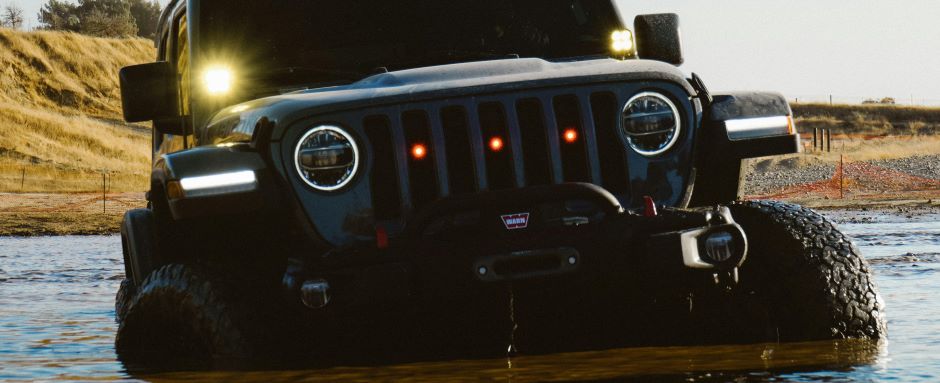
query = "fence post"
{"x": 842, "y": 176}
{"x": 815, "y": 134}
{"x": 829, "y": 140}
{"x": 23, "y": 180}
{"x": 104, "y": 192}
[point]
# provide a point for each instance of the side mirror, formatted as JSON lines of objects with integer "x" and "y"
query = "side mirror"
{"x": 149, "y": 92}
{"x": 658, "y": 38}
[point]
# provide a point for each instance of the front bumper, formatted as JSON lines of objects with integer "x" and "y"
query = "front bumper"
{"x": 574, "y": 241}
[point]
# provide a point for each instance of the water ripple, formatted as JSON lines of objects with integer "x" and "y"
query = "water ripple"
{"x": 57, "y": 323}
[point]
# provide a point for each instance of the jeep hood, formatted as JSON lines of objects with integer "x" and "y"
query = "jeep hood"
{"x": 237, "y": 122}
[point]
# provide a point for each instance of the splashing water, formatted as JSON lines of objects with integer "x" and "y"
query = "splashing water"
{"x": 57, "y": 323}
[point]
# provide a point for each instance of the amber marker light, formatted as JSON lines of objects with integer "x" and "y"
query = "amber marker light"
{"x": 496, "y": 144}
{"x": 419, "y": 151}
{"x": 570, "y": 135}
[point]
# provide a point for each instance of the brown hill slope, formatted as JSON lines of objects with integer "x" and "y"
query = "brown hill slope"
{"x": 60, "y": 111}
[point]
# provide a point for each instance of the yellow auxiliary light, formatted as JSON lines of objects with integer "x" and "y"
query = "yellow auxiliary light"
{"x": 218, "y": 80}
{"x": 622, "y": 43}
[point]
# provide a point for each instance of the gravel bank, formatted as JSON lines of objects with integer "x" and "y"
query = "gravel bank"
{"x": 765, "y": 176}
{"x": 921, "y": 166}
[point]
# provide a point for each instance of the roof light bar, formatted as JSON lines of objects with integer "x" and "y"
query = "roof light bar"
{"x": 217, "y": 184}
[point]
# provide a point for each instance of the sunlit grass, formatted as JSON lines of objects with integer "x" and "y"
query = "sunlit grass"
{"x": 60, "y": 113}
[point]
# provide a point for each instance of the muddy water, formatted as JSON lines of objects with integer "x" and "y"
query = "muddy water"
{"x": 57, "y": 310}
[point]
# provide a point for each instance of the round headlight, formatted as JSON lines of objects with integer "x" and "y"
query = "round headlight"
{"x": 327, "y": 158}
{"x": 651, "y": 123}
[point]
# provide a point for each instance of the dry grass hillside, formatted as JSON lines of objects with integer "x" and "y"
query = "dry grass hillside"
{"x": 877, "y": 120}
{"x": 60, "y": 113}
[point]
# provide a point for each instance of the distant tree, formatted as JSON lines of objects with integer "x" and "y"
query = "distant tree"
{"x": 60, "y": 16}
{"x": 883, "y": 101}
{"x": 147, "y": 15}
{"x": 11, "y": 16}
{"x": 106, "y": 18}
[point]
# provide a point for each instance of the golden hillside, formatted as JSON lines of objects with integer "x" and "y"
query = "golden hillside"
{"x": 60, "y": 113}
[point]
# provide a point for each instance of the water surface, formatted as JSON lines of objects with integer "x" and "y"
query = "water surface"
{"x": 57, "y": 323}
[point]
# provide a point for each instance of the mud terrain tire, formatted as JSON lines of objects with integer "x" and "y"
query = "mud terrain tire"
{"x": 810, "y": 278}
{"x": 184, "y": 316}
{"x": 123, "y": 299}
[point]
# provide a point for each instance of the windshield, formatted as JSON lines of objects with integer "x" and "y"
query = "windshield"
{"x": 285, "y": 43}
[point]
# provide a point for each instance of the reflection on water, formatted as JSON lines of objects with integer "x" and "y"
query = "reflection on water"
{"x": 57, "y": 310}
{"x": 57, "y": 307}
{"x": 663, "y": 362}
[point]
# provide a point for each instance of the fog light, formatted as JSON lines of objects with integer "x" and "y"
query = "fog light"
{"x": 315, "y": 293}
{"x": 719, "y": 247}
{"x": 621, "y": 43}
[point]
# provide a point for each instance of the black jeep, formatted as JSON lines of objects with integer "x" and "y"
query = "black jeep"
{"x": 379, "y": 181}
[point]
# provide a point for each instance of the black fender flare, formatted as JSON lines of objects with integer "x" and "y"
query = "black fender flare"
{"x": 213, "y": 160}
{"x": 718, "y": 157}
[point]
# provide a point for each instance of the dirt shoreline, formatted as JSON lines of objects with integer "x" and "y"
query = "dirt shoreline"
{"x": 48, "y": 214}
{"x": 54, "y": 214}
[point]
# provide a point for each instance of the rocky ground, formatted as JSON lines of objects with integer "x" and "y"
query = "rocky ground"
{"x": 767, "y": 176}
{"x": 873, "y": 211}
{"x": 921, "y": 166}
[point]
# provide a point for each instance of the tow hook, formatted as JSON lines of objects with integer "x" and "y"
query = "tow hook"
{"x": 314, "y": 292}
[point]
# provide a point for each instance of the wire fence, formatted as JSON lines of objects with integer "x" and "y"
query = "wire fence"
{"x": 836, "y": 99}
{"x": 26, "y": 178}
{"x": 829, "y": 173}
{"x": 861, "y": 181}
{"x": 35, "y": 189}
{"x": 57, "y": 203}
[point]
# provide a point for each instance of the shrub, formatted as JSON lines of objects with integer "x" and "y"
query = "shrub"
{"x": 103, "y": 18}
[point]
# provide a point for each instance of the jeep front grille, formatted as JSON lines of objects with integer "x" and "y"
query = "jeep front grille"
{"x": 457, "y": 132}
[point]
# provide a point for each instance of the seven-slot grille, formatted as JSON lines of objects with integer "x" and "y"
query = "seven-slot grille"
{"x": 426, "y": 151}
